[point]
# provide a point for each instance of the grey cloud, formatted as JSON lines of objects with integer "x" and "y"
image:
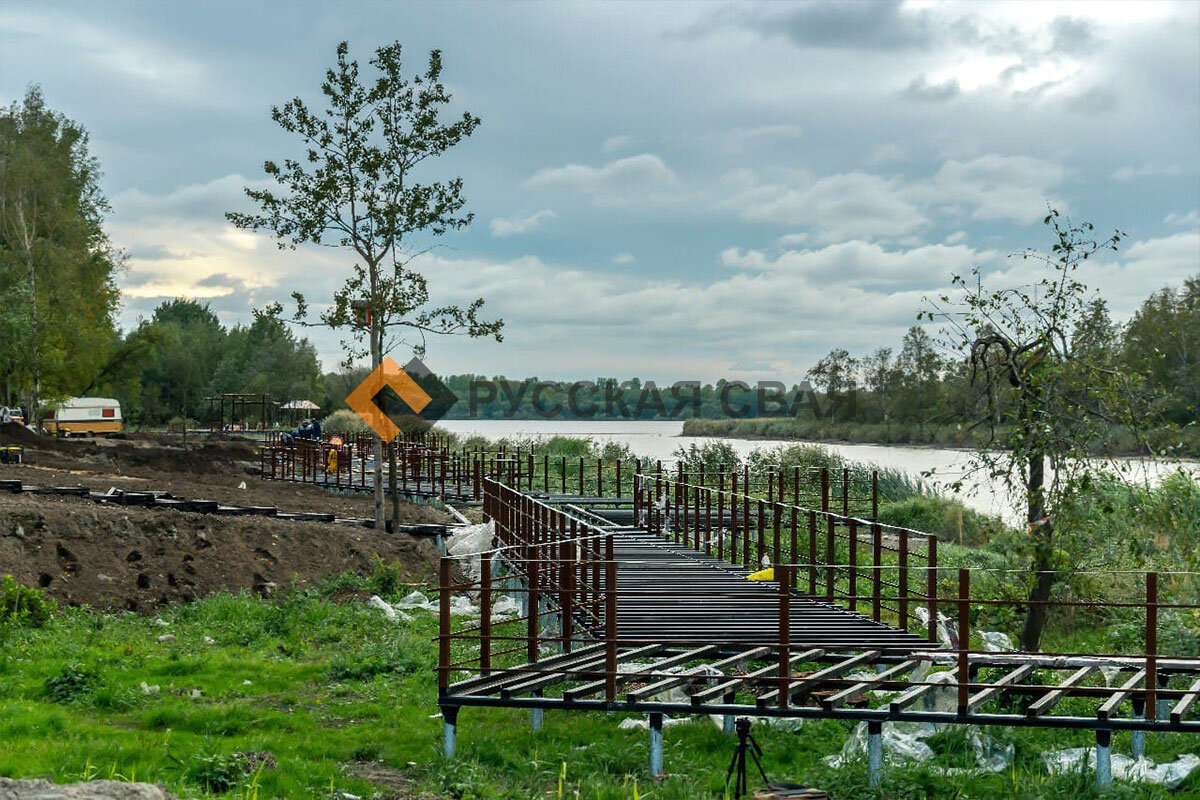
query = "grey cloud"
{"x": 1096, "y": 100}
{"x": 847, "y": 25}
{"x": 1072, "y": 35}
{"x": 921, "y": 89}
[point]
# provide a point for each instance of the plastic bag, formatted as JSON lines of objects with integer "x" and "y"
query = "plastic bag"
{"x": 468, "y": 542}
{"x": 1138, "y": 770}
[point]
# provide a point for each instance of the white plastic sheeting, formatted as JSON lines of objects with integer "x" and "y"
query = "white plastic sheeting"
{"x": 468, "y": 542}
{"x": 905, "y": 742}
{"x": 390, "y": 611}
{"x": 1124, "y": 768}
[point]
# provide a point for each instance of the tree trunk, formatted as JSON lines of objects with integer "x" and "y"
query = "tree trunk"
{"x": 394, "y": 489}
{"x": 376, "y": 442}
{"x": 1042, "y": 533}
{"x": 35, "y": 342}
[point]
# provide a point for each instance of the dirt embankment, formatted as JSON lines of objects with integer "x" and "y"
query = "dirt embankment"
{"x": 213, "y": 468}
{"x": 137, "y": 558}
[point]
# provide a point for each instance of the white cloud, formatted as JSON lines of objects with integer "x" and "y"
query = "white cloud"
{"x": 619, "y": 142}
{"x": 859, "y": 263}
{"x": 636, "y": 178}
{"x": 995, "y": 187}
{"x": 1189, "y": 220}
{"x": 623, "y": 258}
{"x": 1151, "y": 169}
{"x": 517, "y": 226}
{"x": 841, "y": 206}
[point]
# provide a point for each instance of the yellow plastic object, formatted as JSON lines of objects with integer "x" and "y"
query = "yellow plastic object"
{"x": 767, "y": 574}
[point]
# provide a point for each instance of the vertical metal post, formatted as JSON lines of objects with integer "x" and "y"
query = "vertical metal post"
{"x": 733, "y": 518}
{"x": 1103, "y": 759}
{"x": 874, "y": 753}
{"x": 853, "y": 562}
{"x": 874, "y": 494}
{"x": 1138, "y": 745}
{"x": 656, "y": 744}
{"x": 902, "y": 580}
{"x": 830, "y": 559}
{"x": 785, "y": 634}
{"x": 1151, "y": 645}
{"x": 610, "y": 628}
{"x": 931, "y": 588}
{"x": 485, "y": 613}
{"x": 776, "y": 552}
{"x": 443, "y": 625}
{"x": 761, "y": 545}
{"x": 964, "y": 638}
{"x": 449, "y": 730}
{"x": 812, "y": 553}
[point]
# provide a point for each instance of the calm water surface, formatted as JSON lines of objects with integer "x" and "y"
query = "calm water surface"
{"x": 659, "y": 439}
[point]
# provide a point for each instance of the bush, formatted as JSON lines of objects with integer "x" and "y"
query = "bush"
{"x": 23, "y": 605}
{"x": 946, "y": 518}
{"x": 386, "y": 580}
{"x": 73, "y": 683}
{"x": 344, "y": 421}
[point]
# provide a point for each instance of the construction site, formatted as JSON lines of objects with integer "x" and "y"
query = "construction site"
{"x": 624, "y": 587}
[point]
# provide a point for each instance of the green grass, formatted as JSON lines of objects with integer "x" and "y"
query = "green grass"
{"x": 321, "y": 685}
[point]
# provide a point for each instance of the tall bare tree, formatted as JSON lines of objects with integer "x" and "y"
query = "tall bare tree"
{"x": 1050, "y": 399}
{"x": 356, "y": 187}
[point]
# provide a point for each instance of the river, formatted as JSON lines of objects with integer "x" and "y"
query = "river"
{"x": 659, "y": 439}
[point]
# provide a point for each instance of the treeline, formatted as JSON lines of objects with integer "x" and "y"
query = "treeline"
{"x": 59, "y": 298}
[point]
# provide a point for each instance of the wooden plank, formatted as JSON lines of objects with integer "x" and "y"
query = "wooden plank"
{"x": 803, "y": 685}
{"x": 917, "y": 692}
{"x": 735, "y": 684}
{"x": 1110, "y": 705}
{"x": 672, "y": 682}
{"x": 1051, "y": 698}
{"x": 1185, "y": 703}
{"x": 594, "y": 686}
{"x": 1008, "y": 679}
{"x": 858, "y": 689}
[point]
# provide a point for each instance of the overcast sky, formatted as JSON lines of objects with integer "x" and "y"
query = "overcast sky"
{"x": 673, "y": 191}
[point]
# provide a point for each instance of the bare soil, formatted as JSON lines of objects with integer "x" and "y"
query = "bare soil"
{"x": 209, "y": 469}
{"x": 138, "y": 558}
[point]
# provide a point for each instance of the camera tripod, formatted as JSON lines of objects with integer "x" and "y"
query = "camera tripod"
{"x": 746, "y": 744}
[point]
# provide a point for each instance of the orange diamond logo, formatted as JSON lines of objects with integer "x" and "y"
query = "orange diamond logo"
{"x": 389, "y": 373}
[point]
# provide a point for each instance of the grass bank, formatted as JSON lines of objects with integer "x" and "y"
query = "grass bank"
{"x": 1176, "y": 441}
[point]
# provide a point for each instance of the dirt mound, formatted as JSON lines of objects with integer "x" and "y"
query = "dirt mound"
{"x": 12, "y": 433}
{"x": 136, "y": 558}
{"x": 159, "y": 453}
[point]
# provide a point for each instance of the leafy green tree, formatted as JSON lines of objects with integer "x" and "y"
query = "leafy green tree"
{"x": 266, "y": 357}
{"x": 920, "y": 371}
{"x": 357, "y": 187}
{"x": 1049, "y": 397}
{"x": 836, "y": 372}
{"x": 184, "y": 344}
{"x": 57, "y": 266}
{"x": 1162, "y": 342}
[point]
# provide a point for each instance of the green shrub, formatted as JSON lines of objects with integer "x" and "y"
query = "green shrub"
{"x": 24, "y": 605}
{"x": 946, "y": 518}
{"x": 216, "y": 774}
{"x": 73, "y": 683}
{"x": 344, "y": 421}
{"x": 386, "y": 580}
